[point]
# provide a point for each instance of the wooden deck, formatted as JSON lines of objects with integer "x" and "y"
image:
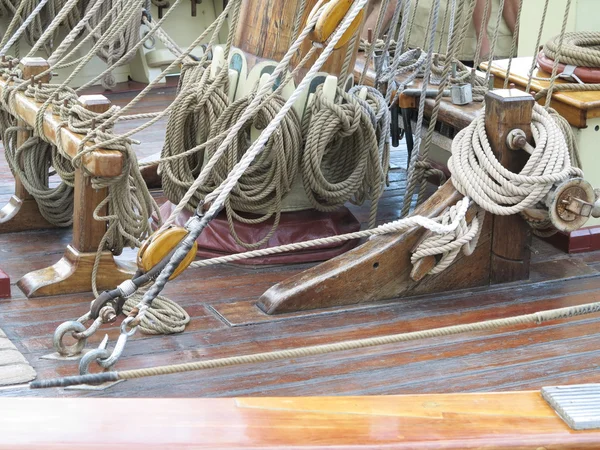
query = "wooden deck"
{"x": 225, "y": 322}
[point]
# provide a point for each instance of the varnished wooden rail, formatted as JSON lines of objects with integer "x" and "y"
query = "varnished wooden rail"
{"x": 515, "y": 420}
{"x": 101, "y": 163}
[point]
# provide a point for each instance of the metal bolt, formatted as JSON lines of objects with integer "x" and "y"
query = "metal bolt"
{"x": 108, "y": 314}
{"x": 516, "y": 139}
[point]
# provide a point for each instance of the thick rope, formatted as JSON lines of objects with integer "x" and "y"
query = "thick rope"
{"x": 31, "y": 163}
{"x": 440, "y": 226}
{"x": 346, "y": 156}
{"x": 477, "y": 173}
{"x": 189, "y": 125}
{"x": 448, "y": 246}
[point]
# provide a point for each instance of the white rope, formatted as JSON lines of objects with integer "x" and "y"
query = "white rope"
{"x": 23, "y": 27}
{"x": 449, "y": 245}
{"x": 446, "y": 224}
{"x": 477, "y": 173}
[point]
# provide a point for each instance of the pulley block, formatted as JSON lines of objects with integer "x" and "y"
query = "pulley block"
{"x": 570, "y": 204}
{"x": 333, "y": 15}
{"x": 159, "y": 245}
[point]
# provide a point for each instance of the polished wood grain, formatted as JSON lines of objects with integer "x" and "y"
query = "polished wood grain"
{"x": 266, "y": 30}
{"x": 576, "y": 107}
{"x": 516, "y": 421}
{"x": 506, "y": 110}
{"x": 379, "y": 269}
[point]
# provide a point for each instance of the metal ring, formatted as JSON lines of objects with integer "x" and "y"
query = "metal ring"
{"x": 126, "y": 323}
{"x": 63, "y": 329}
{"x": 149, "y": 43}
{"x": 95, "y": 355}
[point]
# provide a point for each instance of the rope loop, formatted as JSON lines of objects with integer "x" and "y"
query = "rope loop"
{"x": 446, "y": 247}
{"x": 346, "y": 154}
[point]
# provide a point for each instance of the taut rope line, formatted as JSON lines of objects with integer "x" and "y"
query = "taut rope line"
{"x": 534, "y": 318}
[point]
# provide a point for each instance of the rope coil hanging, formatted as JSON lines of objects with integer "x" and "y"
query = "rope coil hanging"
{"x": 346, "y": 156}
{"x": 266, "y": 182}
{"x": 189, "y": 125}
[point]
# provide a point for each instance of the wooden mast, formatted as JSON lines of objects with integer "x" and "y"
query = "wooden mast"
{"x": 266, "y": 30}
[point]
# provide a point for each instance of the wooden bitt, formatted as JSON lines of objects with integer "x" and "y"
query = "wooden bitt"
{"x": 22, "y": 213}
{"x": 512, "y": 420}
{"x": 379, "y": 269}
{"x": 73, "y": 273}
{"x": 505, "y": 110}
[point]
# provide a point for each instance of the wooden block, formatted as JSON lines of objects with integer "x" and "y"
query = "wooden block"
{"x": 379, "y": 269}
{"x": 22, "y": 215}
{"x": 73, "y": 273}
{"x": 4, "y": 285}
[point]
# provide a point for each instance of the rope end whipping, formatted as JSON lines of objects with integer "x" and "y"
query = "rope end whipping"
{"x": 94, "y": 378}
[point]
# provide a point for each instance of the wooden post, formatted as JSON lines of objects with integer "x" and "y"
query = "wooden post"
{"x": 88, "y": 232}
{"x": 73, "y": 273}
{"x": 505, "y": 110}
{"x": 22, "y": 211}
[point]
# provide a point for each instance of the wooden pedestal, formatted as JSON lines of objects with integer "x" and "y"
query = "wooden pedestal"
{"x": 381, "y": 268}
{"x": 73, "y": 273}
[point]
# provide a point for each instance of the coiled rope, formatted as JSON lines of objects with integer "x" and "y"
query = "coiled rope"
{"x": 346, "y": 157}
{"x": 449, "y": 245}
{"x": 477, "y": 173}
{"x": 578, "y": 48}
{"x": 189, "y": 124}
{"x": 270, "y": 177}
{"x": 31, "y": 162}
